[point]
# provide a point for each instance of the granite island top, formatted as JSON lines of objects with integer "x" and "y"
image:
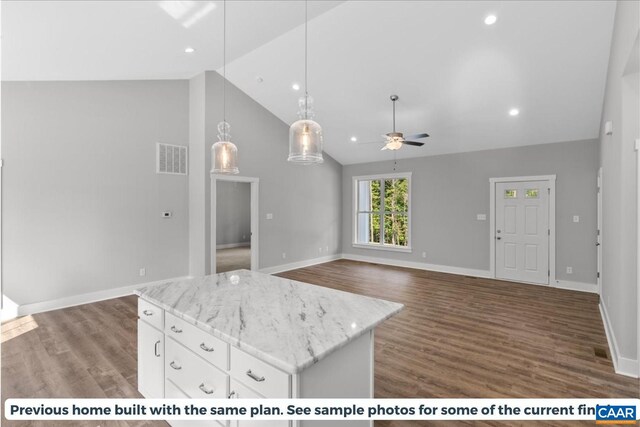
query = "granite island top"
{"x": 289, "y": 324}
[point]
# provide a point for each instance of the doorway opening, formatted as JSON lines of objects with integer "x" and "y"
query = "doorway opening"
{"x": 234, "y": 223}
{"x": 522, "y": 229}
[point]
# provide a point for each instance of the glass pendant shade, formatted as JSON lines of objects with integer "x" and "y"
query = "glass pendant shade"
{"x": 305, "y": 136}
{"x": 224, "y": 153}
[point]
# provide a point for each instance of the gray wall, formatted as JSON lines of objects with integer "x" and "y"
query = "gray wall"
{"x": 233, "y": 213}
{"x": 304, "y": 200}
{"x": 449, "y": 190}
{"x": 81, "y": 200}
{"x": 619, "y": 282}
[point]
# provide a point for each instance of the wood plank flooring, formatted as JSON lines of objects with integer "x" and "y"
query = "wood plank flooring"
{"x": 457, "y": 337}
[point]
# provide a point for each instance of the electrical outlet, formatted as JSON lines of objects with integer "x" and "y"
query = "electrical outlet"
{"x": 284, "y": 255}
{"x": 569, "y": 270}
{"x": 424, "y": 254}
{"x": 269, "y": 216}
{"x": 327, "y": 249}
{"x": 576, "y": 218}
{"x": 320, "y": 250}
{"x": 143, "y": 271}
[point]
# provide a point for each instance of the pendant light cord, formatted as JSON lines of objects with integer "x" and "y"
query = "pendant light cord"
{"x": 306, "y": 47}
{"x": 224, "y": 61}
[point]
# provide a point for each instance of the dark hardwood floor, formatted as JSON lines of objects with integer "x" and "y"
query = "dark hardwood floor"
{"x": 457, "y": 337}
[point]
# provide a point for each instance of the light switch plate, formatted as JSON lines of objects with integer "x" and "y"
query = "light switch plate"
{"x": 269, "y": 216}
{"x": 481, "y": 217}
{"x": 576, "y": 218}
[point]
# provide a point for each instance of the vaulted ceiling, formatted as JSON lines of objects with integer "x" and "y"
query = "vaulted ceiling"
{"x": 457, "y": 77}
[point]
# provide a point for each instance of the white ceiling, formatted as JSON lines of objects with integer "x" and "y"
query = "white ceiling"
{"x": 456, "y": 77}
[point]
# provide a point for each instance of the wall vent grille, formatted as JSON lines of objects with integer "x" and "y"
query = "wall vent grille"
{"x": 171, "y": 159}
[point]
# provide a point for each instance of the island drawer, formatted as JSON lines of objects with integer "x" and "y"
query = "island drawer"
{"x": 202, "y": 343}
{"x": 258, "y": 375}
{"x": 173, "y": 392}
{"x": 195, "y": 377}
{"x": 151, "y": 314}
{"x": 240, "y": 391}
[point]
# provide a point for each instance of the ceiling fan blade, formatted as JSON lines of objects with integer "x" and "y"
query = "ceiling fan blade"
{"x": 384, "y": 148}
{"x": 417, "y": 136}
{"x": 417, "y": 144}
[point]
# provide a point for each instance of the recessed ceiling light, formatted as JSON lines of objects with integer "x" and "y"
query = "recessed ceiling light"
{"x": 514, "y": 112}
{"x": 189, "y": 50}
{"x": 295, "y": 86}
{"x": 354, "y": 139}
{"x": 490, "y": 19}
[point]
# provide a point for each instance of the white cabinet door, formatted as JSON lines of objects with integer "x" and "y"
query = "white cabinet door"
{"x": 522, "y": 231}
{"x": 150, "y": 361}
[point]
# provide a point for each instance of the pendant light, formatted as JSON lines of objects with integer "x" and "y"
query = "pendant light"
{"x": 224, "y": 153}
{"x": 305, "y": 135}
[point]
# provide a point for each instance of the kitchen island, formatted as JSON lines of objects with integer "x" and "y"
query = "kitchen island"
{"x": 245, "y": 334}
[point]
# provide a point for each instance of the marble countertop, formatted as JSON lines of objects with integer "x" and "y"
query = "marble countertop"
{"x": 286, "y": 323}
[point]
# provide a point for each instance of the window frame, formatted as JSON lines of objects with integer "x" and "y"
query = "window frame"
{"x": 355, "y": 194}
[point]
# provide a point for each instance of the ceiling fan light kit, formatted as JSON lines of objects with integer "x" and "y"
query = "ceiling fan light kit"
{"x": 395, "y": 140}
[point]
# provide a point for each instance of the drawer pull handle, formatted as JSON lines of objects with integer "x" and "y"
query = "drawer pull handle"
{"x": 232, "y": 395}
{"x": 174, "y": 366}
{"x": 205, "y": 389}
{"x": 205, "y": 348}
{"x": 254, "y": 376}
{"x": 148, "y": 313}
{"x": 155, "y": 348}
{"x": 176, "y": 330}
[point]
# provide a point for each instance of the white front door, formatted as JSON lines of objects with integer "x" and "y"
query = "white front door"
{"x": 522, "y": 231}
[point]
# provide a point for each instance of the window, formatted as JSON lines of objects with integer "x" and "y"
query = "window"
{"x": 382, "y": 216}
{"x": 531, "y": 193}
{"x": 510, "y": 194}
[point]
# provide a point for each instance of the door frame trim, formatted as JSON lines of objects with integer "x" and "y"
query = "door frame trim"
{"x": 551, "y": 179}
{"x": 255, "y": 216}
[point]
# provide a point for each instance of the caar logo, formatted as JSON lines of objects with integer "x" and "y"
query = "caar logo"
{"x": 615, "y": 414}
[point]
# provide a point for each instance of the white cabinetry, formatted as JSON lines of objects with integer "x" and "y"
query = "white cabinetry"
{"x": 150, "y": 361}
{"x": 177, "y": 359}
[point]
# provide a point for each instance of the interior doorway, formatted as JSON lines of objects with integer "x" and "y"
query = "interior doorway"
{"x": 234, "y": 223}
{"x": 522, "y": 229}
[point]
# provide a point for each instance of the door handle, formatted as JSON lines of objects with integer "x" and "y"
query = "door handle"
{"x": 597, "y": 244}
{"x": 498, "y": 238}
{"x": 155, "y": 348}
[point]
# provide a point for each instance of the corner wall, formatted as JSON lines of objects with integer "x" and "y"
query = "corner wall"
{"x": 304, "y": 200}
{"x": 82, "y": 202}
{"x": 619, "y": 167}
{"x": 448, "y": 191}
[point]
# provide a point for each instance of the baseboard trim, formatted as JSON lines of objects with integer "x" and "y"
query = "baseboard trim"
{"x": 621, "y": 365}
{"x": 40, "y": 307}
{"x": 577, "y": 286}
{"x": 420, "y": 265}
{"x": 233, "y": 245}
{"x": 9, "y": 309}
{"x": 300, "y": 264}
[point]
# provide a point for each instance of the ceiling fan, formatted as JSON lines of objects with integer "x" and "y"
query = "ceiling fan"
{"x": 394, "y": 140}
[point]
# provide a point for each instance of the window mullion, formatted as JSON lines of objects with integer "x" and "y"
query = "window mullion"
{"x": 382, "y": 209}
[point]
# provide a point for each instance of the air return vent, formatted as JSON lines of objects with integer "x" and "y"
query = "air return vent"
{"x": 171, "y": 159}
